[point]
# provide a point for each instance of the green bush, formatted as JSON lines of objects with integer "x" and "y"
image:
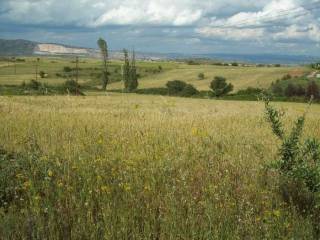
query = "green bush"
{"x": 313, "y": 90}
{"x": 189, "y": 91}
{"x": 175, "y": 87}
{"x": 72, "y": 87}
{"x": 33, "y": 85}
{"x": 153, "y": 91}
{"x": 42, "y": 74}
{"x": 201, "y": 76}
{"x": 67, "y": 69}
{"x": 220, "y": 87}
{"x": 250, "y": 91}
{"x": 298, "y": 167}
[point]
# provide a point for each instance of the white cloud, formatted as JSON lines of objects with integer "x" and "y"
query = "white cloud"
{"x": 232, "y": 33}
{"x": 198, "y": 22}
{"x": 278, "y": 20}
{"x": 95, "y": 13}
{"x": 295, "y": 32}
{"x": 155, "y": 13}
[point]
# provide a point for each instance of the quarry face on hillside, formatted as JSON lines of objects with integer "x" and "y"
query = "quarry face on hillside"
{"x": 44, "y": 48}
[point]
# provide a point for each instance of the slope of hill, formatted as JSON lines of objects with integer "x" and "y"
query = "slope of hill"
{"x": 16, "y": 47}
{"x": 21, "y": 47}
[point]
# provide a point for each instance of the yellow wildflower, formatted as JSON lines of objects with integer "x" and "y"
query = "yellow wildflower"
{"x": 277, "y": 213}
{"x": 26, "y": 184}
{"x": 50, "y": 173}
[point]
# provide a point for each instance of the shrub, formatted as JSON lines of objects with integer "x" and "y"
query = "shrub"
{"x": 67, "y": 69}
{"x": 72, "y": 87}
{"x": 220, "y": 87}
{"x": 290, "y": 90}
{"x": 33, "y": 84}
{"x": 42, "y": 74}
{"x": 298, "y": 166}
{"x": 189, "y": 91}
{"x": 201, "y": 76}
{"x": 175, "y": 87}
{"x": 153, "y": 91}
{"x": 313, "y": 90}
{"x": 286, "y": 77}
{"x": 276, "y": 89}
{"x": 250, "y": 91}
{"x": 315, "y": 66}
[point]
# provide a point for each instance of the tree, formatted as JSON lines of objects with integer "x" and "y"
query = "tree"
{"x": 42, "y": 74}
{"x": 37, "y": 65}
{"x": 201, "y": 76}
{"x": 67, "y": 69}
{"x": 290, "y": 90}
{"x": 300, "y": 91}
{"x": 130, "y": 76}
{"x": 276, "y": 89}
{"x": 189, "y": 91}
{"x": 313, "y": 90}
{"x": 133, "y": 80}
{"x": 220, "y": 86}
{"x": 104, "y": 53}
{"x": 126, "y": 70}
{"x": 175, "y": 87}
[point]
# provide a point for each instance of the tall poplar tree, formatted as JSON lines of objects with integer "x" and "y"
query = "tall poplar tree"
{"x": 130, "y": 77}
{"x": 133, "y": 74}
{"x": 104, "y": 53}
{"x": 126, "y": 70}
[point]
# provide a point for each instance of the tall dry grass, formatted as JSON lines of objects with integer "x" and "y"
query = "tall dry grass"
{"x": 135, "y": 167}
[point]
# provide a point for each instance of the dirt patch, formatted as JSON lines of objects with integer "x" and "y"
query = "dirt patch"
{"x": 297, "y": 72}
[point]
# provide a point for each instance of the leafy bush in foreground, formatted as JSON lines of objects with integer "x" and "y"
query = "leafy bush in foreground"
{"x": 299, "y": 167}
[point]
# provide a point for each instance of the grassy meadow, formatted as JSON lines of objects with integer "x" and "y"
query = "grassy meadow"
{"x": 150, "y": 74}
{"x": 124, "y": 166}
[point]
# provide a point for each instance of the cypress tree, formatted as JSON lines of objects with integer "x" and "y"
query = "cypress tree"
{"x": 126, "y": 70}
{"x": 133, "y": 84}
{"x": 130, "y": 77}
{"x": 104, "y": 53}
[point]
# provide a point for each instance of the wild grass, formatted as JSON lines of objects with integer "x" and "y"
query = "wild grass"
{"x": 240, "y": 77}
{"x": 142, "y": 167}
{"x": 150, "y": 73}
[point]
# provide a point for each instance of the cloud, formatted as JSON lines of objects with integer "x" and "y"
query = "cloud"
{"x": 278, "y": 20}
{"x": 97, "y": 13}
{"x": 232, "y": 33}
{"x": 310, "y": 32}
{"x": 204, "y": 24}
{"x": 150, "y": 12}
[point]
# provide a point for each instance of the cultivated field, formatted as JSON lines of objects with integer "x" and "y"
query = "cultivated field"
{"x": 151, "y": 76}
{"x": 143, "y": 167}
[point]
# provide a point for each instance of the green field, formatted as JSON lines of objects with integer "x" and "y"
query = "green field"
{"x": 151, "y": 77}
{"x": 112, "y": 165}
{"x": 124, "y": 166}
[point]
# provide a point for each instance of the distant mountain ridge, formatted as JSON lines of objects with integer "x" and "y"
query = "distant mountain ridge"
{"x": 16, "y": 47}
{"x": 22, "y": 47}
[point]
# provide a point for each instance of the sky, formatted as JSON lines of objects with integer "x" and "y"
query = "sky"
{"x": 289, "y": 27}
